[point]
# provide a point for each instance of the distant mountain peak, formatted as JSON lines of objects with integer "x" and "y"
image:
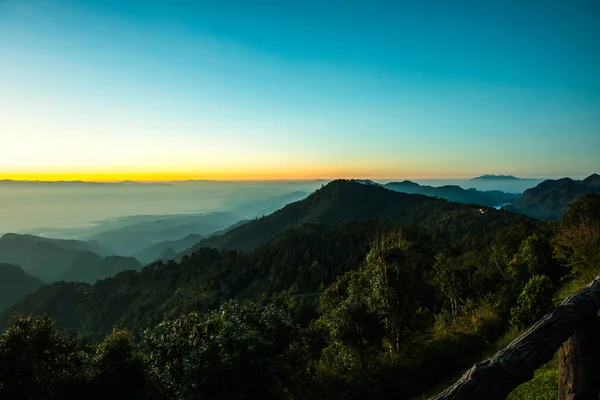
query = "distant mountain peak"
{"x": 407, "y": 182}
{"x": 454, "y": 193}
{"x": 593, "y": 179}
{"x": 497, "y": 177}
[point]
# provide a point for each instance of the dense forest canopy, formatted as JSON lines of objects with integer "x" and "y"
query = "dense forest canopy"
{"x": 354, "y": 292}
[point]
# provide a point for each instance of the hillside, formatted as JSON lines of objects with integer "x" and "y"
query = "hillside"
{"x": 89, "y": 267}
{"x": 492, "y": 198}
{"x": 306, "y": 245}
{"x": 337, "y": 201}
{"x": 324, "y": 275}
{"x": 169, "y": 249}
{"x": 549, "y": 199}
{"x": 259, "y": 208}
{"x": 142, "y": 232}
{"x": 15, "y": 284}
{"x": 55, "y": 259}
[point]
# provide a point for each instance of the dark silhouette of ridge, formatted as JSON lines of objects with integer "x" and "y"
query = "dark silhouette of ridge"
{"x": 56, "y": 259}
{"x": 15, "y": 284}
{"x": 338, "y": 201}
{"x": 549, "y": 199}
{"x": 455, "y": 193}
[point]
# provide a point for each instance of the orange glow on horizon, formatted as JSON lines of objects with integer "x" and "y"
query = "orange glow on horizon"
{"x": 250, "y": 175}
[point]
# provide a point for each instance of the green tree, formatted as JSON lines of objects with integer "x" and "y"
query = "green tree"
{"x": 369, "y": 313}
{"x": 119, "y": 369}
{"x": 237, "y": 351}
{"x": 449, "y": 281}
{"x": 578, "y": 239}
{"x": 39, "y": 362}
{"x": 535, "y": 253}
{"x": 534, "y": 301}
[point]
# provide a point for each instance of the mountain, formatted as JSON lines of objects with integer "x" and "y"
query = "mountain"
{"x": 492, "y": 198}
{"x": 148, "y": 237}
{"x": 57, "y": 259}
{"x": 549, "y": 199}
{"x": 367, "y": 182}
{"x": 328, "y": 234}
{"x": 336, "y": 263}
{"x": 338, "y": 201}
{"x": 267, "y": 206}
{"x": 496, "y": 177}
{"x": 15, "y": 284}
{"x": 90, "y": 267}
{"x": 592, "y": 180}
{"x": 135, "y": 234}
{"x": 167, "y": 249}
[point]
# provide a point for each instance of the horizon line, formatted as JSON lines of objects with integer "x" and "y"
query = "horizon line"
{"x": 294, "y": 179}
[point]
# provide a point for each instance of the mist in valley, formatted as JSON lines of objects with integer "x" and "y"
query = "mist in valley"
{"x": 81, "y": 210}
{"x": 76, "y": 210}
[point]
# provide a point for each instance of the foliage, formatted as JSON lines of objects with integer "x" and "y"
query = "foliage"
{"x": 578, "y": 239}
{"x": 239, "y": 350}
{"x": 534, "y": 301}
{"x": 449, "y": 281}
{"x": 323, "y": 308}
{"x": 15, "y": 284}
{"x": 119, "y": 369}
{"x": 37, "y": 361}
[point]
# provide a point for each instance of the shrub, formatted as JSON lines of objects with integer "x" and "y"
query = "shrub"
{"x": 534, "y": 301}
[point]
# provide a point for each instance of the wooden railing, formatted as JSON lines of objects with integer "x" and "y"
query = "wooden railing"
{"x": 573, "y": 329}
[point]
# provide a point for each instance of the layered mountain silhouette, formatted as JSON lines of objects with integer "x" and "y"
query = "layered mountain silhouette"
{"x": 305, "y": 244}
{"x": 492, "y": 198}
{"x": 55, "y": 259}
{"x": 15, "y": 284}
{"x": 338, "y": 201}
{"x": 258, "y": 208}
{"x": 169, "y": 249}
{"x": 549, "y": 199}
{"x": 138, "y": 233}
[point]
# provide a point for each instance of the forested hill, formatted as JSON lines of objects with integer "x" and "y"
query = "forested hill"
{"x": 373, "y": 308}
{"x": 338, "y": 201}
{"x": 15, "y": 284}
{"x": 549, "y": 199}
{"x": 304, "y": 258}
{"x": 489, "y": 198}
{"x": 52, "y": 260}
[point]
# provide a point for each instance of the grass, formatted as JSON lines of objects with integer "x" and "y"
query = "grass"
{"x": 543, "y": 386}
{"x": 568, "y": 288}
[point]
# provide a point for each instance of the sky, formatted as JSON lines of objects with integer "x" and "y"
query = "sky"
{"x": 159, "y": 90}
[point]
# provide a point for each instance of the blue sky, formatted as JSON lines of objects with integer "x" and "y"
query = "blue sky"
{"x": 298, "y": 89}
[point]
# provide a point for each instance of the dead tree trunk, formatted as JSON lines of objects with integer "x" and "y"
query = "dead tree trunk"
{"x": 497, "y": 376}
{"x": 579, "y": 363}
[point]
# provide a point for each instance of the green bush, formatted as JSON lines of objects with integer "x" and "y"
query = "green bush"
{"x": 534, "y": 301}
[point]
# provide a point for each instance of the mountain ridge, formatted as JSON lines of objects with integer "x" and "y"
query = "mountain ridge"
{"x": 338, "y": 201}
{"x": 15, "y": 284}
{"x": 550, "y": 198}
{"x": 489, "y": 198}
{"x": 59, "y": 259}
